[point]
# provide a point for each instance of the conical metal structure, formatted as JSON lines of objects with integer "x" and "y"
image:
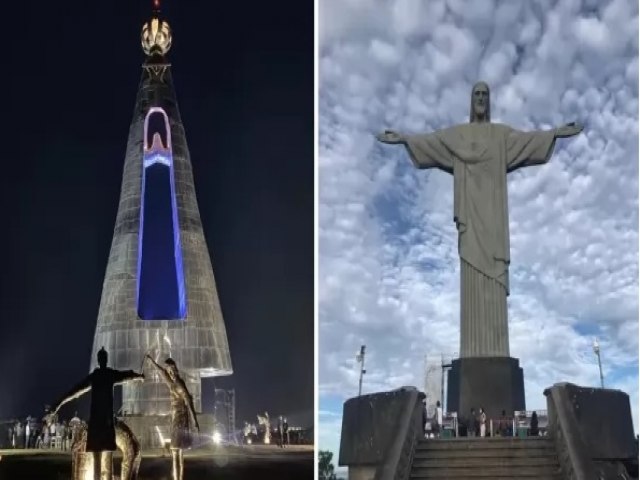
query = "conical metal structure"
{"x": 159, "y": 295}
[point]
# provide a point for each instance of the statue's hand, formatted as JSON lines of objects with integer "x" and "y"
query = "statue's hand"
{"x": 389, "y": 136}
{"x": 569, "y": 130}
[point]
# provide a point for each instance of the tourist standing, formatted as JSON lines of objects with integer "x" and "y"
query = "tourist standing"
{"x": 280, "y": 432}
{"x": 62, "y": 435}
{"x": 27, "y": 432}
{"x": 439, "y": 418}
{"x": 424, "y": 417}
{"x": 472, "y": 424}
{"x": 483, "y": 423}
{"x": 19, "y": 435}
{"x": 285, "y": 428}
{"x": 533, "y": 431}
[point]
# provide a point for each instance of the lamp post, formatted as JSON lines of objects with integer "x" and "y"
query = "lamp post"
{"x": 596, "y": 350}
{"x": 360, "y": 359}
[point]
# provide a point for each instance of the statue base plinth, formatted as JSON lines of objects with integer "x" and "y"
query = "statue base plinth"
{"x": 493, "y": 383}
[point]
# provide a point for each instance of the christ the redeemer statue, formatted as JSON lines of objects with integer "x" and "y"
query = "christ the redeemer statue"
{"x": 480, "y": 154}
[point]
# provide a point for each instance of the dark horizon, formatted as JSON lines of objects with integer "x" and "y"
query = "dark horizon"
{"x": 244, "y": 86}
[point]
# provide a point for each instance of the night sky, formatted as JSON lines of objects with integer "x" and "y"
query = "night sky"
{"x": 244, "y": 85}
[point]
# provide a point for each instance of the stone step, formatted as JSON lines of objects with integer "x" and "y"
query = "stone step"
{"x": 484, "y": 452}
{"x": 450, "y": 472}
{"x": 499, "y": 477}
{"x": 487, "y": 440}
{"x": 484, "y": 462}
{"x": 463, "y": 443}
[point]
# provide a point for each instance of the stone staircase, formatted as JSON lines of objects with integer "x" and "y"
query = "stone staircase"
{"x": 501, "y": 458}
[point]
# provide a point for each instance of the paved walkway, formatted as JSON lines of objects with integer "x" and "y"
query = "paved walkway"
{"x": 230, "y": 462}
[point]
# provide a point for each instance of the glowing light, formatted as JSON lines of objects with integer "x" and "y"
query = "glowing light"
{"x": 248, "y": 441}
{"x": 217, "y": 438}
{"x": 162, "y": 441}
{"x": 156, "y": 36}
{"x": 88, "y": 466}
{"x": 160, "y": 281}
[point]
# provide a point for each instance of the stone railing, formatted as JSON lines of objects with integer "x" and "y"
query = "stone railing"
{"x": 397, "y": 462}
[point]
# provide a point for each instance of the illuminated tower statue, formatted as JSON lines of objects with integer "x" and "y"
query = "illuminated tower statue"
{"x": 159, "y": 294}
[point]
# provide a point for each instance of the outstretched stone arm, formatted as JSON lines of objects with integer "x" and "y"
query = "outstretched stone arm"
{"x": 391, "y": 137}
{"x": 163, "y": 372}
{"x": 77, "y": 391}
{"x": 568, "y": 130}
{"x": 525, "y": 149}
{"x": 427, "y": 150}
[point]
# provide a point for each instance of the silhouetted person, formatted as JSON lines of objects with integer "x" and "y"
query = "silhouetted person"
{"x": 285, "y": 429}
{"x": 503, "y": 427}
{"x": 182, "y": 410}
{"x": 533, "y": 430}
{"x": 424, "y": 418}
{"x": 280, "y": 432}
{"x": 472, "y": 427}
{"x": 101, "y": 435}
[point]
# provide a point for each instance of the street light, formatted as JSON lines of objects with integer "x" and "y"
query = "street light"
{"x": 596, "y": 350}
{"x": 360, "y": 359}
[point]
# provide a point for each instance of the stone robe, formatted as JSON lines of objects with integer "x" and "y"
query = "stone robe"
{"x": 479, "y": 155}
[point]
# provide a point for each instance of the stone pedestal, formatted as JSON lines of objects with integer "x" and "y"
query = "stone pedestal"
{"x": 494, "y": 383}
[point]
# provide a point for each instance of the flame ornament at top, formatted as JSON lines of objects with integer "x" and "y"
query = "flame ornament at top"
{"x": 156, "y": 37}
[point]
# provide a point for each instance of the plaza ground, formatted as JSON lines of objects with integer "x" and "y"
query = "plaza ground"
{"x": 228, "y": 462}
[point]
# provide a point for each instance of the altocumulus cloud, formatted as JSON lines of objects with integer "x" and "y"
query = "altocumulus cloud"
{"x": 389, "y": 273}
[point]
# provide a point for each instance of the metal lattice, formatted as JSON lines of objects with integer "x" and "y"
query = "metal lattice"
{"x": 225, "y": 413}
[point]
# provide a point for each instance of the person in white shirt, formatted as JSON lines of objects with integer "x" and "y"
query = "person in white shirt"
{"x": 27, "y": 432}
{"x": 483, "y": 423}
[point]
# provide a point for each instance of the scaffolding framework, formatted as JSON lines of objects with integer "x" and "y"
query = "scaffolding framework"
{"x": 435, "y": 379}
{"x": 225, "y": 412}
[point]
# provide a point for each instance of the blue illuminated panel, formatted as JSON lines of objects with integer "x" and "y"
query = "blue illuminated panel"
{"x": 160, "y": 282}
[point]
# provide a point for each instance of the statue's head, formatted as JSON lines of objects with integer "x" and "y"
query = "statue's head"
{"x": 480, "y": 103}
{"x": 172, "y": 368}
{"x": 103, "y": 358}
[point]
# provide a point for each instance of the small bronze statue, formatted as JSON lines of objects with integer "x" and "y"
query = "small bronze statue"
{"x": 101, "y": 434}
{"x": 126, "y": 443}
{"x": 182, "y": 411}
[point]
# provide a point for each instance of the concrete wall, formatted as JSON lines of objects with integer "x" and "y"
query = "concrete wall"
{"x": 379, "y": 433}
{"x": 593, "y": 432}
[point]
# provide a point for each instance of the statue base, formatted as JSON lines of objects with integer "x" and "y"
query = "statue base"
{"x": 493, "y": 383}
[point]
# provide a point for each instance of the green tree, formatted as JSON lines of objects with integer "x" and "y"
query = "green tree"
{"x": 325, "y": 467}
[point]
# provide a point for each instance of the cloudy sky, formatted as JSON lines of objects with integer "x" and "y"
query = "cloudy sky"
{"x": 389, "y": 272}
